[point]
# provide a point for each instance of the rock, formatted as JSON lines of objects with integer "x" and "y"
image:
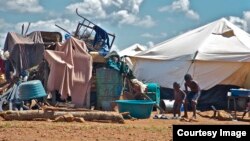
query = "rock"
{"x": 206, "y": 114}
{"x": 222, "y": 115}
{"x": 1, "y": 118}
{"x": 59, "y": 119}
{"x": 77, "y": 119}
{"x": 69, "y": 117}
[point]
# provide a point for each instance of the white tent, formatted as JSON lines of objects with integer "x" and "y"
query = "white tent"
{"x": 131, "y": 51}
{"x": 217, "y": 53}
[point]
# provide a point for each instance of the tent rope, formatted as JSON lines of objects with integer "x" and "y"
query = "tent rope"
{"x": 192, "y": 62}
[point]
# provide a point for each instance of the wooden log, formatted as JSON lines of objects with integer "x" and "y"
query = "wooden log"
{"x": 95, "y": 116}
{"x": 88, "y": 116}
{"x": 27, "y": 115}
{"x": 51, "y": 108}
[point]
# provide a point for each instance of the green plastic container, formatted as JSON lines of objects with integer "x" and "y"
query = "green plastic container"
{"x": 154, "y": 92}
{"x": 140, "y": 109}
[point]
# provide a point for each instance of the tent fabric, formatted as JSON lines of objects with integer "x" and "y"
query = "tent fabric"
{"x": 70, "y": 70}
{"x": 209, "y": 41}
{"x": 25, "y": 51}
{"x": 217, "y": 53}
{"x": 131, "y": 51}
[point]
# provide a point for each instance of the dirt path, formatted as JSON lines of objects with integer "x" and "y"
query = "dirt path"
{"x": 139, "y": 130}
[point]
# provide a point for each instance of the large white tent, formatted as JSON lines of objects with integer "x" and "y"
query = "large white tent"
{"x": 217, "y": 53}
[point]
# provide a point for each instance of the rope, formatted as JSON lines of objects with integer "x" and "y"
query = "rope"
{"x": 190, "y": 66}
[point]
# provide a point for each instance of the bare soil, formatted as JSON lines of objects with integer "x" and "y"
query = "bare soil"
{"x": 137, "y": 130}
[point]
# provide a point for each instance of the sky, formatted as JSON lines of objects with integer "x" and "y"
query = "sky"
{"x": 147, "y": 22}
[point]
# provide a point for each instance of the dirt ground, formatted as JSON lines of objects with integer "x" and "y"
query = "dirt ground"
{"x": 138, "y": 130}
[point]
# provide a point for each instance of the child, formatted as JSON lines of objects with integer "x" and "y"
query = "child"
{"x": 193, "y": 95}
{"x": 179, "y": 97}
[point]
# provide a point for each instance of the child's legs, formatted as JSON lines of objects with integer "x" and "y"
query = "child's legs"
{"x": 194, "y": 103}
{"x": 186, "y": 108}
{"x": 175, "y": 108}
{"x": 179, "y": 108}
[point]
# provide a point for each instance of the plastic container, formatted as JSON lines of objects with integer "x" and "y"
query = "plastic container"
{"x": 154, "y": 92}
{"x": 31, "y": 90}
{"x": 140, "y": 109}
{"x": 108, "y": 87}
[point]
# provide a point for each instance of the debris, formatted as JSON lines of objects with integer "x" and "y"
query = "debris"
{"x": 160, "y": 116}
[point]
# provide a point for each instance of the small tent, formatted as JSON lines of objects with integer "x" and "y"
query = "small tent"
{"x": 217, "y": 53}
{"x": 131, "y": 51}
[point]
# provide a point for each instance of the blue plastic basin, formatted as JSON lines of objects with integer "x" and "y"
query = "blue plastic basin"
{"x": 137, "y": 108}
{"x": 31, "y": 90}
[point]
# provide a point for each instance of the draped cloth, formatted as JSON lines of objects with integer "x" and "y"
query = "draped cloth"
{"x": 70, "y": 70}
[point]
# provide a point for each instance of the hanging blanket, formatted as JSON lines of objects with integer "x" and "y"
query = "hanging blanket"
{"x": 70, "y": 70}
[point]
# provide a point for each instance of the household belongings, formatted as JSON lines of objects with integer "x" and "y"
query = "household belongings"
{"x": 24, "y": 52}
{"x": 70, "y": 71}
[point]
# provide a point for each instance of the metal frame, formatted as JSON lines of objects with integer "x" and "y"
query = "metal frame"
{"x": 88, "y": 25}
